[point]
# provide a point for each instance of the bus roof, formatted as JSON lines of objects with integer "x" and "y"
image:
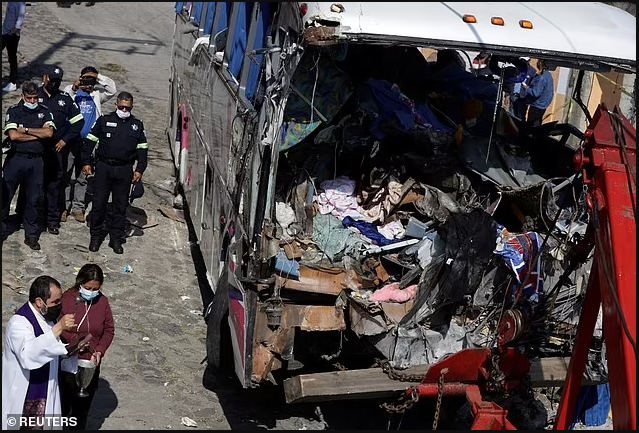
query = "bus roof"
{"x": 574, "y": 32}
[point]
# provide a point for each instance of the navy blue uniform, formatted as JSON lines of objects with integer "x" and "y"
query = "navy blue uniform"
{"x": 24, "y": 166}
{"x": 116, "y": 144}
{"x": 69, "y": 122}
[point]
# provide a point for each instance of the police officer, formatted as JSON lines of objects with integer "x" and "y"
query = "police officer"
{"x": 117, "y": 140}
{"x": 28, "y": 125}
{"x": 69, "y": 122}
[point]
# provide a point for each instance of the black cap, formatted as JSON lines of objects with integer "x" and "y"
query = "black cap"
{"x": 55, "y": 72}
{"x": 137, "y": 191}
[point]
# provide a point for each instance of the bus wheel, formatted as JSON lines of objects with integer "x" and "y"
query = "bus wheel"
{"x": 219, "y": 349}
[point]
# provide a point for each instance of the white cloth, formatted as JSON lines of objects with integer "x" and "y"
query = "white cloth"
{"x": 99, "y": 95}
{"x": 70, "y": 364}
{"x": 24, "y": 352}
{"x": 338, "y": 198}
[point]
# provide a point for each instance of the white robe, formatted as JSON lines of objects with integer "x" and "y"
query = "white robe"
{"x": 24, "y": 352}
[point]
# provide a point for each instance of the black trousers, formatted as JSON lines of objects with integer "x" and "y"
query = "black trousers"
{"x": 114, "y": 180}
{"x": 535, "y": 115}
{"x": 53, "y": 190}
{"x": 519, "y": 109}
{"x": 11, "y": 43}
{"x": 75, "y": 406}
{"x": 27, "y": 173}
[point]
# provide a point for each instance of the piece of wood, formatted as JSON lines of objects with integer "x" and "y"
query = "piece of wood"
{"x": 374, "y": 383}
{"x": 314, "y": 317}
{"x": 329, "y": 282}
{"x": 292, "y": 251}
{"x": 548, "y": 372}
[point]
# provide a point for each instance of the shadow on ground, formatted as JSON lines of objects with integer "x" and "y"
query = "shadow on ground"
{"x": 104, "y": 403}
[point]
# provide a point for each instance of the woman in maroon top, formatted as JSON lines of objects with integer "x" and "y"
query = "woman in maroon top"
{"x": 93, "y": 316}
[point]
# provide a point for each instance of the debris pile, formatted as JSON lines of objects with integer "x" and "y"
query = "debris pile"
{"x": 425, "y": 213}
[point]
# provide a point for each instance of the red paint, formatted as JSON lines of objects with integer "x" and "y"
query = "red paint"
{"x": 237, "y": 318}
{"x": 185, "y": 129}
{"x": 612, "y": 205}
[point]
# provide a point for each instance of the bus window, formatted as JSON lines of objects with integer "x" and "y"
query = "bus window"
{"x": 238, "y": 36}
{"x": 210, "y": 16}
{"x": 221, "y": 21}
{"x": 263, "y": 21}
{"x": 198, "y": 12}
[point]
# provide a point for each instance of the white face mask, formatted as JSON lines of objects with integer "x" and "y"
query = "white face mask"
{"x": 122, "y": 114}
{"x": 31, "y": 106}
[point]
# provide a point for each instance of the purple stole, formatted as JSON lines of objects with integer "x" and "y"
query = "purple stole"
{"x": 36, "y": 401}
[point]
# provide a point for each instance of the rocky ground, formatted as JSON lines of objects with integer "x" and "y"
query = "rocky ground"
{"x": 152, "y": 375}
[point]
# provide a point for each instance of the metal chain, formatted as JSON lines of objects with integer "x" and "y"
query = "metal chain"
{"x": 339, "y": 366}
{"x": 406, "y": 403}
{"x": 440, "y": 394}
{"x": 497, "y": 377}
{"x": 395, "y": 375}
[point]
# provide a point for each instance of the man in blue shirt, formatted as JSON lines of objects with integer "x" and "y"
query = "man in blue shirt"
{"x": 89, "y": 92}
{"x": 539, "y": 94}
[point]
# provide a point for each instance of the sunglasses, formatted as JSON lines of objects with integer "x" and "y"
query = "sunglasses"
{"x": 124, "y": 108}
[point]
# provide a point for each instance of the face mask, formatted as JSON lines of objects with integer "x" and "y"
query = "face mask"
{"x": 122, "y": 114}
{"x": 88, "y": 295}
{"x": 31, "y": 106}
{"x": 51, "y": 314}
{"x": 53, "y": 86}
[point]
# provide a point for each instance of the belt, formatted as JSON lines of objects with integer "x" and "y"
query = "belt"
{"x": 29, "y": 155}
{"x": 118, "y": 162}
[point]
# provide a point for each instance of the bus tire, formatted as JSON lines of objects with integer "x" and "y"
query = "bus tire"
{"x": 218, "y": 339}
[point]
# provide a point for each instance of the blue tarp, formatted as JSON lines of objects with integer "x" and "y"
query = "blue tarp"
{"x": 593, "y": 405}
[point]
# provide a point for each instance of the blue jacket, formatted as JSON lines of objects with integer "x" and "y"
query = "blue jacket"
{"x": 541, "y": 91}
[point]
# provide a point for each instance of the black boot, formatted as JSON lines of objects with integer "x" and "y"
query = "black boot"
{"x": 32, "y": 243}
{"x": 116, "y": 245}
{"x": 94, "y": 244}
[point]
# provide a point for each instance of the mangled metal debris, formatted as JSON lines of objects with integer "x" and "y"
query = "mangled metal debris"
{"x": 412, "y": 231}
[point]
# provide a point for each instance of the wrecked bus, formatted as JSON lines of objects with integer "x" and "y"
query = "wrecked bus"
{"x": 362, "y": 197}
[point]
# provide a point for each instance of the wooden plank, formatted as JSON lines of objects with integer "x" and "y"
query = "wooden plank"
{"x": 329, "y": 281}
{"x": 374, "y": 383}
{"x": 314, "y": 317}
{"x": 548, "y": 372}
{"x": 342, "y": 385}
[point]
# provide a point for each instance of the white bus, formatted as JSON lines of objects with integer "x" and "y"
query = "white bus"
{"x": 253, "y": 82}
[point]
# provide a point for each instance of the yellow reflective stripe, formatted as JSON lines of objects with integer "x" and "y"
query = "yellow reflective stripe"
{"x": 93, "y": 138}
{"x": 143, "y": 146}
{"x": 76, "y": 119}
{"x": 51, "y": 124}
{"x": 9, "y": 126}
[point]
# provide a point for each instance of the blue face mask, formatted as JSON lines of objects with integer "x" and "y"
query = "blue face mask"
{"x": 88, "y": 295}
{"x": 31, "y": 106}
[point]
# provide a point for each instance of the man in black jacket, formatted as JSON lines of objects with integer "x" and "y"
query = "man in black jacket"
{"x": 29, "y": 125}
{"x": 116, "y": 141}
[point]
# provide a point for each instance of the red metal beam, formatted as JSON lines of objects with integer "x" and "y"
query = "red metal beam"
{"x": 609, "y": 171}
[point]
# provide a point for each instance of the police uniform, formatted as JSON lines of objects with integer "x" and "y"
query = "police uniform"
{"x": 65, "y": 112}
{"x": 69, "y": 120}
{"x": 24, "y": 166}
{"x": 115, "y": 144}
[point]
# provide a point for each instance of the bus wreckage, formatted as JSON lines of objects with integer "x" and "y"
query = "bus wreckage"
{"x": 377, "y": 223}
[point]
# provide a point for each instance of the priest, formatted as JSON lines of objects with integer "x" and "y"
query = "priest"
{"x": 31, "y": 358}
